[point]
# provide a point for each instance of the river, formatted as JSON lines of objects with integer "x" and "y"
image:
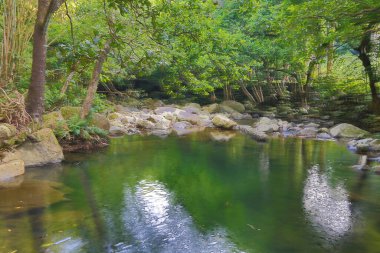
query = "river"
{"x": 194, "y": 194}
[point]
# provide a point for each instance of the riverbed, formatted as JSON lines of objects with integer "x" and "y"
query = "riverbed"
{"x": 195, "y": 194}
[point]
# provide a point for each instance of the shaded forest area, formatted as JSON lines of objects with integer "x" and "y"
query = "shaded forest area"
{"x": 310, "y": 57}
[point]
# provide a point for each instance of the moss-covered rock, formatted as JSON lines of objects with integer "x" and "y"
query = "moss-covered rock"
{"x": 345, "y": 130}
{"x": 100, "y": 121}
{"x": 68, "y": 112}
{"x": 54, "y": 120}
{"x": 239, "y": 107}
{"x": 7, "y": 131}
{"x": 45, "y": 149}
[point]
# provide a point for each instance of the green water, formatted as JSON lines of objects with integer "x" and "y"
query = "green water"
{"x": 192, "y": 194}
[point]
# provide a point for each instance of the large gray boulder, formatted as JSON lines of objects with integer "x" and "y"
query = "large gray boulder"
{"x": 222, "y": 121}
{"x": 239, "y": 107}
{"x": 43, "y": 151}
{"x": 254, "y": 133}
{"x": 345, "y": 130}
{"x": 267, "y": 125}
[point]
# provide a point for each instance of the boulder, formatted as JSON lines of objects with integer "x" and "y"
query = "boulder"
{"x": 7, "y": 131}
{"x": 117, "y": 131}
{"x": 144, "y": 123}
{"x": 236, "y": 106}
{"x": 68, "y": 112}
{"x": 160, "y": 121}
{"x": 226, "y": 109}
{"x": 222, "y": 121}
{"x": 12, "y": 169}
{"x": 184, "y": 127}
{"x": 189, "y": 117}
{"x": 345, "y": 130}
{"x": 213, "y": 108}
{"x": 323, "y": 136}
{"x": 54, "y": 120}
{"x": 165, "y": 109}
{"x": 267, "y": 125}
{"x": 46, "y": 150}
{"x": 100, "y": 121}
{"x": 309, "y": 132}
{"x": 254, "y": 133}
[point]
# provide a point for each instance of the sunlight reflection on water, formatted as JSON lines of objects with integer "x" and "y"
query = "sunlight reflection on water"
{"x": 157, "y": 224}
{"x": 327, "y": 206}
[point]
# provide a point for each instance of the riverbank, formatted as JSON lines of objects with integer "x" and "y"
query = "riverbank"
{"x": 53, "y": 138}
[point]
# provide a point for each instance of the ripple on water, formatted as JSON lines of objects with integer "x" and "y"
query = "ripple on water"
{"x": 157, "y": 224}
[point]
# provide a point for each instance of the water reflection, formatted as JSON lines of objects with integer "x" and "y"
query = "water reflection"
{"x": 157, "y": 224}
{"x": 327, "y": 206}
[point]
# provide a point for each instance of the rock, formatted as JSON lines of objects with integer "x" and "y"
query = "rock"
{"x": 161, "y": 132}
{"x": 189, "y": 117}
{"x": 184, "y": 127}
{"x": 254, "y": 133}
{"x": 222, "y": 121}
{"x": 249, "y": 106}
{"x": 114, "y": 116}
{"x": 226, "y": 109}
{"x": 311, "y": 125}
{"x": 222, "y": 135}
{"x": 100, "y": 121}
{"x": 324, "y": 130}
{"x": 117, "y": 131}
{"x": 46, "y": 150}
{"x": 345, "y": 130}
{"x": 325, "y": 117}
{"x": 375, "y": 145}
{"x": 194, "y": 105}
{"x": 267, "y": 125}
{"x": 323, "y": 136}
{"x": 54, "y": 120}
{"x": 192, "y": 109}
{"x": 68, "y": 112}
{"x": 160, "y": 121}
{"x": 126, "y": 109}
{"x": 213, "y": 108}
{"x": 165, "y": 109}
{"x": 309, "y": 132}
{"x": 236, "y": 106}
{"x": 12, "y": 169}
{"x": 237, "y": 116}
{"x": 304, "y": 110}
{"x": 7, "y": 131}
{"x": 143, "y": 123}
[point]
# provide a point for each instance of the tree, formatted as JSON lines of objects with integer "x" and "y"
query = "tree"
{"x": 35, "y": 99}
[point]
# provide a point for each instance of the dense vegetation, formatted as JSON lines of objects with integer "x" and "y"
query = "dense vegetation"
{"x": 260, "y": 50}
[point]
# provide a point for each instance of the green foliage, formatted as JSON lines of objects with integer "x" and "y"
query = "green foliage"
{"x": 81, "y": 128}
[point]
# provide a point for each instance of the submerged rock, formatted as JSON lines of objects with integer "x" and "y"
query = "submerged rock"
{"x": 222, "y": 121}
{"x": 12, "y": 169}
{"x": 345, "y": 130}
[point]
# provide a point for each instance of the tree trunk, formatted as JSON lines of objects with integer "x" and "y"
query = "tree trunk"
{"x": 93, "y": 86}
{"x": 364, "y": 50}
{"x": 67, "y": 82}
{"x": 35, "y": 99}
{"x": 330, "y": 59}
{"x": 247, "y": 93}
{"x": 309, "y": 80}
